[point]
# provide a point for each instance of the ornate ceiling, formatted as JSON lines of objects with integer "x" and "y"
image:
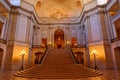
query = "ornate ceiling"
{"x": 58, "y": 8}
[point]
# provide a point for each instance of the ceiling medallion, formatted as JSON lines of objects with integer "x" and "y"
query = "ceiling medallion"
{"x": 58, "y": 15}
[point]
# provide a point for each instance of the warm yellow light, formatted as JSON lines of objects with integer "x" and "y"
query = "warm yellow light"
{"x": 94, "y": 51}
{"x": 68, "y": 42}
{"x": 59, "y": 39}
{"x": 22, "y": 52}
{"x": 43, "y": 44}
{"x": 50, "y": 42}
{"x": 75, "y": 44}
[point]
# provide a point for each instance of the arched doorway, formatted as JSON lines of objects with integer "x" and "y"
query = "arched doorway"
{"x": 117, "y": 56}
{"x": 59, "y": 38}
{"x": 1, "y": 56}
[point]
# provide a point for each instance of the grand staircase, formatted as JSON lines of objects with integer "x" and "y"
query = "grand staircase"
{"x": 58, "y": 64}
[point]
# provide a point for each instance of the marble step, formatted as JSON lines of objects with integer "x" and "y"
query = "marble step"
{"x": 57, "y": 65}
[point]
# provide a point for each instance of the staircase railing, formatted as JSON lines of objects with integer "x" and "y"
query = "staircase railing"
{"x": 74, "y": 59}
{"x": 39, "y": 60}
{"x": 77, "y": 56}
{"x": 43, "y": 56}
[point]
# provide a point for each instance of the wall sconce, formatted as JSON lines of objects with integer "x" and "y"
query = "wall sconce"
{"x": 75, "y": 44}
{"x": 94, "y": 53}
{"x": 50, "y": 43}
{"x": 22, "y": 53}
{"x": 68, "y": 42}
{"x": 58, "y": 39}
{"x": 43, "y": 45}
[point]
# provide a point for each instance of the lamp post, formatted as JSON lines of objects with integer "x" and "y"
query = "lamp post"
{"x": 94, "y": 53}
{"x": 23, "y": 53}
{"x": 50, "y": 44}
{"x": 68, "y": 44}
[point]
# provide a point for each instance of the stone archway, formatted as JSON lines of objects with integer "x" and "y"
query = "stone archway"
{"x": 1, "y": 57}
{"x": 117, "y": 56}
{"x": 59, "y": 38}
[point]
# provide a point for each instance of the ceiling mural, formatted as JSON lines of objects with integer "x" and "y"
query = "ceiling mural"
{"x": 70, "y": 8}
{"x": 60, "y": 8}
{"x": 46, "y": 8}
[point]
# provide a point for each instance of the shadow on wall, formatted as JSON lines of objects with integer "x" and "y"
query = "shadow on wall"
{"x": 1, "y": 57}
{"x": 117, "y": 56}
{"x": 79, "y": 57}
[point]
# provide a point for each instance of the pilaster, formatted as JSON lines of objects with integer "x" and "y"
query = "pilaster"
{"x": 11, "y": 37}
{"x": 106, "y": 43}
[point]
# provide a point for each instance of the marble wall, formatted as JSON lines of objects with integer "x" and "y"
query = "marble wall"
{"x": 48, "y": 31}
{"x": 92, "y": 31}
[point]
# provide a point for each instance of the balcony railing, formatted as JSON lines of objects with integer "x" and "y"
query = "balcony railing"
{"x": 3, "y": 41}
{"x": 115, "y": 39}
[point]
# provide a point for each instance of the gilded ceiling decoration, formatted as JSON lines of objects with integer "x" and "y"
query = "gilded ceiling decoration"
{"x": 46, "y": 8}
{"x": 58, "y": 8}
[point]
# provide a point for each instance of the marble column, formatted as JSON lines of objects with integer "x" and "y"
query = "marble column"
{"x": 87, "y": 36}
{"x": 3, "y": 31}
{"x": 30, "y": 41}
{"x": 11, "y": 37}
{"x": 78, "y": 35}
{"x": 106, "y": 43}
{"x": 49, "y": 37}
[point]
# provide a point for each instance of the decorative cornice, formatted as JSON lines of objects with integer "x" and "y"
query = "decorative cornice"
{"x": 41, "y": 21}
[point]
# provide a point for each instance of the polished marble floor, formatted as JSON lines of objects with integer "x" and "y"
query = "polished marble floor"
{"x": 107, "y": 75}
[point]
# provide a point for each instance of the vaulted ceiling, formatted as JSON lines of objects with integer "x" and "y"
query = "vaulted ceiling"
{"x": 60, "y": 8}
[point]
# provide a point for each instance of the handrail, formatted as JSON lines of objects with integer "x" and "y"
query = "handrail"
{"x": 41, "y": 60}
{"x": 78, "y": 56}
{"x": 69, "y": 49}
{"x": 73, "y": 56}
{"x": 41, "y": 52}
